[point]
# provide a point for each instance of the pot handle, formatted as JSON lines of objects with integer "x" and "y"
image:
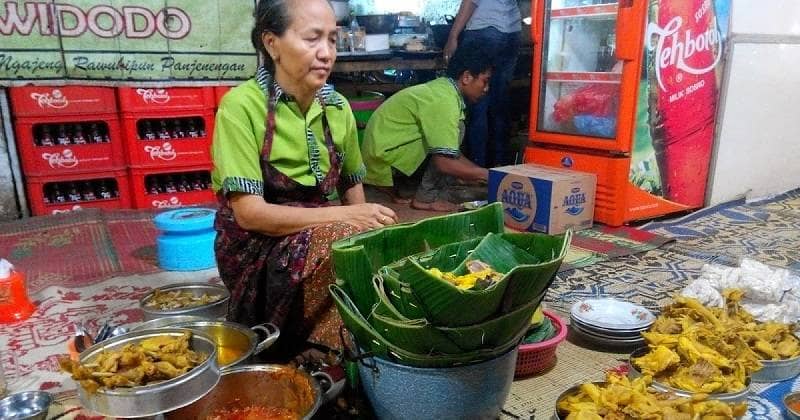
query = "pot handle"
{"x": 449, "y": 19}
{"x": 330, "y": 387}
{"x": 270, "y": 331}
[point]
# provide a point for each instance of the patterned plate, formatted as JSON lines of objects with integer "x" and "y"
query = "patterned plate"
{"x": 608, "y": 333}
{"x": 612, "y": 314}
{"x": 605, "y": 341}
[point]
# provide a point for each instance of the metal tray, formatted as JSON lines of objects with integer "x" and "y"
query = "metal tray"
{"x": 213, "y": 310}
{"x": 150, "y": 400}
{"x": 777, "y": 370}
{"x": 728, "y": 397}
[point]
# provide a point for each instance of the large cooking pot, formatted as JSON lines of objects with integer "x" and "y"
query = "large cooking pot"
{"x": 273, "y": 386}
{"x": 235, "y": 342}
{"x": 377, "y": 24}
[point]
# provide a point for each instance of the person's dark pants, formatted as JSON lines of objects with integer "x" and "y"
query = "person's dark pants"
{"x": 437, "y": 186}
{"x": 488, "y": 120}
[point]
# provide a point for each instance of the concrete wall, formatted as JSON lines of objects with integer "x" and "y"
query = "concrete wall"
{"x": 758, "y": 142}
{"x": 9, "y": 208}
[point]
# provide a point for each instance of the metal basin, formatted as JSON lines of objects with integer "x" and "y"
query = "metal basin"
{"x": 728, "y": 397}
{"x": 29, "y": 405}
{"x": 570, "y": 391}
{"x": 213, "y": 310}
{"x": 235, "y": 342}
{"x": 777, "y": 370}
{"x": 258, "y": 385}
{"x": 157, "y": 398}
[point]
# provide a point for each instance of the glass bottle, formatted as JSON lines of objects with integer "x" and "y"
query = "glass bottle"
{"x": 191, "y": 130}
{"x": 163, "y": 131}
{"x": 79, "y": 137}
{"x": 72, "y": 192}
{"x": 102, "y": 190}
{"x": 178, "y": 132}
{"x": 62, "y": 138}
{"x": 58, "y": 195}
{"x": 152, "y": 186}
{"x": 87, "y": 192}
{"x": 46, "y": 139}
{"x": 94, "y": 134}
{"x": 146, "y": 131}
{"x": 169, "y": 186}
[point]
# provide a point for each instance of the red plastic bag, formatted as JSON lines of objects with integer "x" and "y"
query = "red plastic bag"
{"x": 599, "y": 100}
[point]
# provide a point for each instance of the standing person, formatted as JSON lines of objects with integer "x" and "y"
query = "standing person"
{"x": 283, "y": 142}
{"x": 421, "y": 128}
{"x": 495, "y": 24}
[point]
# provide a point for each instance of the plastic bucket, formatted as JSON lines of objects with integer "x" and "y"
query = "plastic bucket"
{"x": 186, "y": 242}
{"x": 476, "y": 391}
{"x": 363, "y": 106}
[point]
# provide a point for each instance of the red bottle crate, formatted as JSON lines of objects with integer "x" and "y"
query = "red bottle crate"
{"x": 150, "y": 187}
{"x": 172, "y": 152}
{"x": 38, "y": 101}
{"x": 42, "y": 192}
{"x": 219, "y": 92}
{"x": 151, "y": 100}
{"x": 47, "y": 160}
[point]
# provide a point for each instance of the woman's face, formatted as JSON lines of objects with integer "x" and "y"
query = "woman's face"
{"x": 305, "y": 54}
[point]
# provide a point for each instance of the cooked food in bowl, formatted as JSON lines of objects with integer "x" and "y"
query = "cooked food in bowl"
{"x": 619, "y": 397}
{"x": 151, "y": 360}
{"x": 254, "y": 412}
{"x": 177, "y": 299}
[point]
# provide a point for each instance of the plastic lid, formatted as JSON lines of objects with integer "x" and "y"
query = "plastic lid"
{"x": 185, "y": 220}
{"x": 5, "y": 269}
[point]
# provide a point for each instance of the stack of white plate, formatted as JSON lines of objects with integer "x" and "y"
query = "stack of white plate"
{"x": 610, "y": 322}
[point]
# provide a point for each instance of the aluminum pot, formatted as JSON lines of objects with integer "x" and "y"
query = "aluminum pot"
{"x": 213, "y": 310}
{"x": 157, "y": 398}
{"x": 341, "y": 8}
{"x": 377, "y": 24}
{"x": 235, "y": 342}
{"x": 476, "y": 391}
{"x": 260, "y": 385}
{"x": 777, "y": 370}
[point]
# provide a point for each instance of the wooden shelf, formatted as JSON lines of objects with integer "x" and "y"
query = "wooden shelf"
{"x": 583, "y": 77}
{"x": 597, "y": 11}
{"x": 393, "y": 63}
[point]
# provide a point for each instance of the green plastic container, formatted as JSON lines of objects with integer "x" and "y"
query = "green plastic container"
{"x": 363, "y": 106}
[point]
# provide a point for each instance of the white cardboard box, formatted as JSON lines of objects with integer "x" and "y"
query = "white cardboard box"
{"x": 543, "y": 199}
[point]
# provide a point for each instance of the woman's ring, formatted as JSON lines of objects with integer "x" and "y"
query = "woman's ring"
{"x": 383, "y": 219}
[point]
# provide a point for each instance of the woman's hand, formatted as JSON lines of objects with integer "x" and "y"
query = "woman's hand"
{"x": 368, "y": 216}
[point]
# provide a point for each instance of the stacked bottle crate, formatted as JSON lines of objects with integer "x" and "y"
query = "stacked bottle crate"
{"x": 168, "y": 141}
{"x": 70, "y": 145}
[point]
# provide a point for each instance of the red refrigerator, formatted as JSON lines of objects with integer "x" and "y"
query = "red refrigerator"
{"x": 629, "y": 92}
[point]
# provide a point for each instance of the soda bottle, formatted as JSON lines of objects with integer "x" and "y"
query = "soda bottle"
{"x": 178, "y": 131}
{"x": 47, "y": 194}
{"x": 684, "y": 52}
{"x": 197, "y": 183}
{"x": 207, "y": 180}
{"x": 191, "y": 130}
{"x": 163, "y": 131}
{"x": 72, "y": 192}
{"x": 62, "y": 138}
{"x": 94, "y": 134}
{"x": 58, "y": 195}
{"x": 169, "y": 185}
{"x": 152, "y": 185}
{"x": 46, "y": 139}
{"x": 183, "y": 184}
{"x": 146, "y": 132}
{"x": 201, "y": 128}
{"x": 87, "y": 191}
{"x": 103, "y": 191}
{"x": 79, "y": 137}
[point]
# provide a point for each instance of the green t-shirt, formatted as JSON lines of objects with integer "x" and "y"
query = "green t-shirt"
{"x": 413, "y": 123}
{"x": 298, "y": 148}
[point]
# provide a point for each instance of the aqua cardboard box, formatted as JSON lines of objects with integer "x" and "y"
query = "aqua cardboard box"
{"x": 543, "y": 199}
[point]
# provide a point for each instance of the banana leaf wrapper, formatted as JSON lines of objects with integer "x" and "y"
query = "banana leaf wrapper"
{"x": 357, "y": 258}
{"x": 400, "y": 295}
{"x": 529, "y": 260}
{"x": 373, "y": 343}
{"x": 412, "y": 335}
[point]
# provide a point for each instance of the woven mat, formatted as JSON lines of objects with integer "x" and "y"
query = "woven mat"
{"x": 80, "y": 248}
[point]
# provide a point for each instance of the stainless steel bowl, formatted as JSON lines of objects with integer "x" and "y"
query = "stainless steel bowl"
{"x": 571, "y": 390}
{"x": 28, "y": 405}
{"x": 153, "y": 399}
{"x": 788, "y": 399}
{"x": 213, "y": 310}
{"x": 257, "y": 385}
{"x": 166, "y": 321}
{"x": 728, "y": 397}
{"x": 777, "y": 370}
{"x": 235, "y": 342}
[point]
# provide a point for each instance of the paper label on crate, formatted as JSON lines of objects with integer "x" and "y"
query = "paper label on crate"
{"x": 519, "y": 201}
{"x": 65, "y": 159}
{"x": 163, "y": 152}
{"x": 171, "y": 203}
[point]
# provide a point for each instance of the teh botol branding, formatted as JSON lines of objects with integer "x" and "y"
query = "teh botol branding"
{"x": 519, "y": 201}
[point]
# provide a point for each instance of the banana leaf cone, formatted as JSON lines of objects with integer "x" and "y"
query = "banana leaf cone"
{"x": 370, "y": 341}
{"x": 413, "y": 335}
{"x": 495, "y": 332}
{"x": 357, "y": 258}
{"x": 529, "y": 261}
{"x": 400, "y": 295}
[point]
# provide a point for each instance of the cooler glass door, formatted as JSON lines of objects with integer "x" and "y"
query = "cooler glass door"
{"x": 584, "y": 90}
